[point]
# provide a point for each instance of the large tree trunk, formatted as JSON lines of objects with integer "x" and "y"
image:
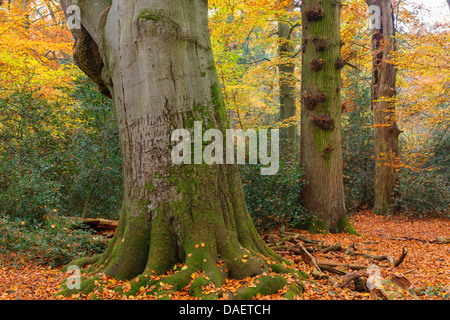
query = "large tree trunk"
{"x": 386, "y": 131}
{"x": 286, "y": 69}
{"x": 159, "y": 69}
{"x": 321, "y": 145}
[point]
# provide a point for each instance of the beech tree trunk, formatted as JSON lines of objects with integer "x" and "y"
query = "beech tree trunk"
{"x": 386, "y": 132}
{"x": 156, "y": 63}
{"x": 286, "y": 69}
{"x": 321, "y": 145}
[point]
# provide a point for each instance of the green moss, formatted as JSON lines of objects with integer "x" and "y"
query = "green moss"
{"x": 87, "y": 286}
{"x": 163, "y": 243}
{"x": 81, "y": 262}
{"x": 318, "y": 226}
{"x": 344, "y": 225}
{"x": 195, "y": 289}
{"x": 147, "y": 14}
{"x": 218, "y": 103}
{"x": 267, "y": 285}
{"x": 293, "y": 292}
{"x": 150, "y": 187}
{"x": 129, "y": 255}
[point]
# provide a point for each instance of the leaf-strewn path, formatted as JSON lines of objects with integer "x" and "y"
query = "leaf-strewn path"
{"x": 426, "y": 265}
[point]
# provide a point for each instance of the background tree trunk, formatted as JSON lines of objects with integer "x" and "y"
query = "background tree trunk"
{"x": 321, "y": 145}
{"x": 386, "y": 132}
{"x": 286, "y": 69}
{"x": 159, "y": 69}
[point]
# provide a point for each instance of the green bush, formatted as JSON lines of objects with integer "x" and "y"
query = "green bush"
{"x": 52, "y": 242}
{"x": 93, "y": 161}
{"x": 358, "y": 152}
{"x": 273, "y": 200}
{"x": 64, "y": 158}
{"x": 424, "y": 188}
{"x": 29, "y": 163}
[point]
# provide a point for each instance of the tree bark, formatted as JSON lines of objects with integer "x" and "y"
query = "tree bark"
{"x": 159, "y": 69}
{"x": 386, "y": 131}
{"x": 286, "y": 69}
{"x": 321, "y": 144}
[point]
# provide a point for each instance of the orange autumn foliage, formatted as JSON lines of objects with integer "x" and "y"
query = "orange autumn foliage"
{"x": 35, "y": 48}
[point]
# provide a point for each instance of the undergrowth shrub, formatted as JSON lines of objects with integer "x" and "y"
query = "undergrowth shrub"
{"x": 273, "y": 200}
{"x": 424, "y": 187}
{"x": 59, "y": 156}
{"x": 358, "y": 151}
{"x": 52, "y": 242}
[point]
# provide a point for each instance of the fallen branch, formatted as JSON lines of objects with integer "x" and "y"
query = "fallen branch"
{"x": 331, "y": 269}
{"x": 350, "y": 247}
{"x": 443, "y": 240}
{"x": 407, "y": 239}
{"x": 401, "y": 258}
{"x": 387, "y": 257}
{"x": 336, "y": 247}
{"x": 349, "y": 277}
{"x": 338, "y": 264}
{"x": 379, "y": 294}
{"x": 306, "y": 256}
{"x": 301, "y": 237}
{"x": 402, "y": 281}
{"x": 286, "y": 239}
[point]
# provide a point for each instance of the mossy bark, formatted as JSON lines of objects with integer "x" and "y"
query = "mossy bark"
{"x": 161, "y": 73}
{"x": 321, "y": 145}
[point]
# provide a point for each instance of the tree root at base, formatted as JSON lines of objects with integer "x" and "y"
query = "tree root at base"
{"x": 207, "y": 281}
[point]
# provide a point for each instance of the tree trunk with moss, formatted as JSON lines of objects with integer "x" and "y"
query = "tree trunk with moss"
{"x": 321, "y": 144}
{"x": 157, "y": 64}
{"x": 386, "y": 131}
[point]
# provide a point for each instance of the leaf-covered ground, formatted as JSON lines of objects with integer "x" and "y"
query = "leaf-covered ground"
{"x": 425, "y": 268}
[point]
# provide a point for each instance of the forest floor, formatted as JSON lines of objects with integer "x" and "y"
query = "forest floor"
{"x": 423, "y": 274}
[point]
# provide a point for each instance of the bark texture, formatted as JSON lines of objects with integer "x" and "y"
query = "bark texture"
{"x": 321, "y": 145}
{"x": 286, "y": 69}
{"x": 386, "y": 131}
{"x": 158, "y": 67}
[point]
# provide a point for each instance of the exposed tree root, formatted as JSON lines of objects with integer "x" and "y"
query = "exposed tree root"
{"x": 266, "y": 285}
{"x": 202, "y": 275}
{"x": 82, "y": 262}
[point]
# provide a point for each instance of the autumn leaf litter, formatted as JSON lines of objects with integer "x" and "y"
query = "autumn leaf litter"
{"x": 426, "y": 266}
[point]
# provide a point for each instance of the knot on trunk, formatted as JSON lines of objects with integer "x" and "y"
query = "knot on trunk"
{"x": 313, "y": 98}
{"x": 324, "y": 122}
{"x": 314, "y": 13}
{"x": 317, "y": 64}
{"x": 320, "y": 43}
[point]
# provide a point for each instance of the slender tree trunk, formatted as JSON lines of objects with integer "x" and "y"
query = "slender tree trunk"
{"x": 159, "y": 69}
{"x": 321, "y": 145}
{"x": 89, "y": 197}
{"x": 383, "y": 105}
{"x": 286, "y": 69}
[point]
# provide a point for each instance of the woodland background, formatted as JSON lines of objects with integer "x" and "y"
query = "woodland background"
{"x": 59, "y": 151}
